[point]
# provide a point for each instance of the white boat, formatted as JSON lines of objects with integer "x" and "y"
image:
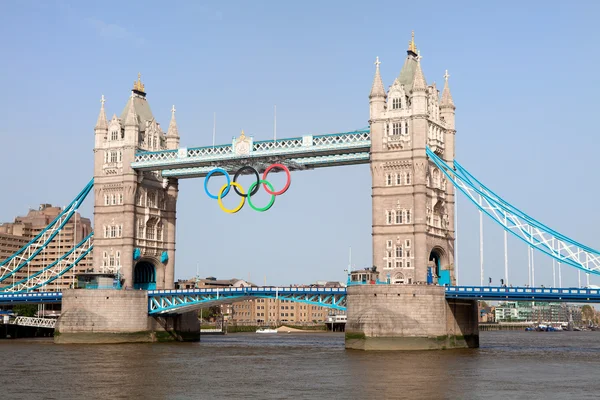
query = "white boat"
{"x": 266, "y": 330}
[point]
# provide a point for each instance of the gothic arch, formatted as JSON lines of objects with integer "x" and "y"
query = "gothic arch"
{"x": 399, "y": 278}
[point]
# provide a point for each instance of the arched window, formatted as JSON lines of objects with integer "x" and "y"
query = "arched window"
{"x": 151, "y": 229}
{"x": 388, "y": 179}
{"x": 398, "y": 179}
{"x": 436, "y": 178}
{"x": 106, "y": 200}
{"x": 151, "y": 199}
{"x": 159, "y": 231}
{"x": 120, "y": 198}
{"x": 407, "y": 180}
{"x": 140, "y": 230}
{"x": 399, "y": 251}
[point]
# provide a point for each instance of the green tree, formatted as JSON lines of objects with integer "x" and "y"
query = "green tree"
{"x": 25, "y": 310}
{"x": 587, "y": 312}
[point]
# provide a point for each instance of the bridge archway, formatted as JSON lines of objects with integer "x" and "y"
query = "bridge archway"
{"x": 399, "y": 278}
{"x": 144, "y": 276}
{"x": 437, "y": 256}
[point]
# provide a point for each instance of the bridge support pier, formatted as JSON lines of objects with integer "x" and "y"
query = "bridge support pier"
{"x": 408, "y": 317}
{"x": 119, "y": 316}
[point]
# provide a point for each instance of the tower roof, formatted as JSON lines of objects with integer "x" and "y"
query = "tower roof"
{"x": 407, "y": 73}
{"x": 102, "y": 123}
{"x": 377, "y": 89}
{"x": 141, "y": 107}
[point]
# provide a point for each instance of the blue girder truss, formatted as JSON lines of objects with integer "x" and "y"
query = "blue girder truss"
{"x": 180, "y": 301}
{"x": 27, "y": 253}
{"x": 573, "y": 295}
{"x": 32, "y": 297}
{"x": 306, "y": 152}
{"x": 537, "y": 235}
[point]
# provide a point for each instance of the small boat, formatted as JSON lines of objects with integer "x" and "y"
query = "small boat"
{"x": 266, "y": 330}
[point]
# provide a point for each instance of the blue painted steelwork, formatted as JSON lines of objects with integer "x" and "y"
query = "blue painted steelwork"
{"x": 296, "y": 153}
{"x": 179, "y": 301}
{"x": 54, "y": 270}
{"x": 573, "y": 295}
{"x": 33, "y": 297}
{"x": 28, "y": 252}
{"x": 518, "y": 223}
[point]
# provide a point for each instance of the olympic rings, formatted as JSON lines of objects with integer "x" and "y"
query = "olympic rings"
{"x": 252, "y": 190}
{"x": 265, "y": 208}
{"x": 221, "y": 170}
{"x": 287, "y": 185}
{"x": 220, "y": 197}
{"x": 256, "y": 187}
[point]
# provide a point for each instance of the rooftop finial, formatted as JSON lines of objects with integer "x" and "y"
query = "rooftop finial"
{"x": 242, "y": 135}
{"x": 138, "y": 86}
{"x": 173, "y": 109}
{"x": 102, "y": 100}
{"x": 446, "y": 76}
{"x": 377, "y": 62}
{"x": 412, "y": 47}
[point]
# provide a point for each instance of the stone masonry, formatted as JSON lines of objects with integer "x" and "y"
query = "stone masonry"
{"x": 134, "y": 212}
{"x": 413, "y": 205}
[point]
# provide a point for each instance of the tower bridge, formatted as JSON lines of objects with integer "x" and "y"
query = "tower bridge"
{"x": 410, "y": 148}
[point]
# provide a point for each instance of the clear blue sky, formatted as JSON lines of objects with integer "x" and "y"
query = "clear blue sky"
{"x": 524, "y": 77}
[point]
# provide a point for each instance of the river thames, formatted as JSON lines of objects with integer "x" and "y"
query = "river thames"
{"x": 509, "y": 365}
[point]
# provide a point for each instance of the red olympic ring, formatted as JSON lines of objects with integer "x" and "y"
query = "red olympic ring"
{"x": 287, "y": 185}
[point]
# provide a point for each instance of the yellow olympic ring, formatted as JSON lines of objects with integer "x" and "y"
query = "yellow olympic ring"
{"x": 220, "y": 198}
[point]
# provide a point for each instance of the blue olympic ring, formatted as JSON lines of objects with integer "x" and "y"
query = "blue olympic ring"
{"x": 221, "y": 170}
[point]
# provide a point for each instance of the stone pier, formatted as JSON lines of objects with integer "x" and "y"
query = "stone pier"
{"x": 119, "y": 316}
{"x": 408, "y": 317}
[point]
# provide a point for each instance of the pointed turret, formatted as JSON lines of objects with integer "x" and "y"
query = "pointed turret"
{"x": 377, "y": 89}
{"x": 446, "y": 96}
{"x": 101, "y": 124}
{"x": 419, "y": 83}
{"x": 377, "y": 96}
{"x": 173, "y": 133}
{"x": 131, "y": 117}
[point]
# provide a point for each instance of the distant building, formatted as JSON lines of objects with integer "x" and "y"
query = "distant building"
{"x": 14, "y": 235}
{"x": 265, "y": 311}
{"x": 526, "y": 311}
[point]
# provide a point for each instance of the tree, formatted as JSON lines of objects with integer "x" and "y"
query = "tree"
{"x": 587, "y": 312}
{"x": 25, "y": 310}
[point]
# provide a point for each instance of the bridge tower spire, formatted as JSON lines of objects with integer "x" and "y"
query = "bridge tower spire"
{"x": 172, "y": 132}
{"x": 134, "y": 211}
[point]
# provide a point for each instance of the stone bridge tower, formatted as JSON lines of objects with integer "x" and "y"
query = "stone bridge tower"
{"x": 134, "y": 212}
{"x": 413, "y": 204}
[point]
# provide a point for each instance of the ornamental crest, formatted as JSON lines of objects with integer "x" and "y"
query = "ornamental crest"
{"x": 242, "y": 145}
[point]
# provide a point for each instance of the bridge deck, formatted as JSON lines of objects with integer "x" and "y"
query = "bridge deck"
{"x": 176, "y": 301}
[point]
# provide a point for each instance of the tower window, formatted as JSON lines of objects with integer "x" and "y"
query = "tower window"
{"x": 396, "y": 104}
{"x": 389, "y": 244}
{"x": 389, "y": 217}
{"x": 408, "y": 178}
{"x": 398, "y": 179}
{"x": 407, "y": 243}
{"x": 388, "y": 179}
{"x": 396, "y": 128}
{"x": 408, "y": 216}
{"x": 114, "y": 135}
{"x": 406, "y": 128}
{"x": 113, "y": 156}
{"x": 399, "y": 251}
{"x": 399, "y": 217}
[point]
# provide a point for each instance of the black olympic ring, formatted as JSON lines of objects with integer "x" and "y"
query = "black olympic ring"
{"x": 256, "y": 186}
